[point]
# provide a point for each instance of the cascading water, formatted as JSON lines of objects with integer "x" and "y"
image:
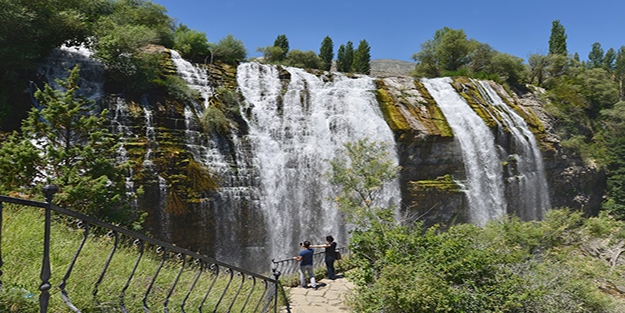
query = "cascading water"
{"x": 294, "y": 131}
{"x": 527, "y": 183}
{"x": 484, "y": 172}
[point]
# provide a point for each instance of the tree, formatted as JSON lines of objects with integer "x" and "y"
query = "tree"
{"x": 326, "y": 53}
{"x": 609, "y": 59}
{"x": 271, "y": 54}
{"x": 362, "y": 58}
{"x": 359, "y": 177}
{"x": 67, "y": 143}
{"x": 557, "y": 40}
{"x": 229, "y": 50}
{"x": 349, "y": 55}
{"x": 619, "y": 70}
{"x": 190, "y": 43}
{"x": 538, "y": 64}
{"x": 340, "y": 60}
{"x": 283, "y": 43}
{"x": 449, "y": 50}
{"x": 595, "y": 56}
{"x": 298, "y": 58}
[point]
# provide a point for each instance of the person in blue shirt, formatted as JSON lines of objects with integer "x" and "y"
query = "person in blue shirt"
{"x": 305, "y": 259}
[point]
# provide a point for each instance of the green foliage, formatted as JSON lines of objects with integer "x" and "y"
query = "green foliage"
{"x": 507, "y": 266}
{"x": 32, "y": 28}
{"x": 362, "y": 58}
{"x": 214, "y": 120}
{"x": 229, "y": 50}
{"x": 122, "y": 37}
{"x": 283, "y": 43}
{"x": 271, "y": 54}
{"x": 67, "y": 143}
{"x": 450, "y": 53}
{"x": 595, "y": 56}
{"x": 557, "y": 39}
{"x": 326, "y": 53}
{"x": 345, "y": 57}
{"x": 307, "y": 59}
{"x": 178, "y": 88}
{"x": 360, "y": 177}
{"x": 190, "y": 43}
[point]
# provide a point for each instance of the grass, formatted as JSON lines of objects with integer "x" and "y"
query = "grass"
{"x": 88, "y": 290}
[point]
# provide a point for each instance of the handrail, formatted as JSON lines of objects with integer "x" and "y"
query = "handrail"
{"x": 241, "y": 293}
{"x": 290, "y": 266}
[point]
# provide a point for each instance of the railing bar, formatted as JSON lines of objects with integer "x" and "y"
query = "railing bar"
{"x": 107, "y": 264}
{"x": 225, "y": 289}
{"x": 64, "y": 294}
{"x": 171, "y": 291}
{"x": 158, "y": 270}
{"x": 156, "y": 242}
{"x": 234, "y": 299}
{"x": 210, "y": 288}
{"x": 25, "y": 202}
{"x": 132, "y": 273}
{"x": 197, "y": 277}
{"x": 262, "y": 297}
{"x": 247, "y": 299}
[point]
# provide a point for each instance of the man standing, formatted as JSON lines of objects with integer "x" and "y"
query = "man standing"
{"x": 305, "y": 259}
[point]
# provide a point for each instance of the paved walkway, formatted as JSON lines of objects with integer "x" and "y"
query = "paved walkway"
{"x": 328, "y": 298}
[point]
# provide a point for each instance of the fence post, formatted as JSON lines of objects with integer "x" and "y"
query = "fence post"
{"x": 44, "y": 298}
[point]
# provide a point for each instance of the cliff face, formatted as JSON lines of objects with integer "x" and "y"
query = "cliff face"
{"x": 432, "y": 161}
{"x": 167, "y": 139}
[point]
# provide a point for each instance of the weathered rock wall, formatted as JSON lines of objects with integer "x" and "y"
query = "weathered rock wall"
{"x": 431, "y": 159}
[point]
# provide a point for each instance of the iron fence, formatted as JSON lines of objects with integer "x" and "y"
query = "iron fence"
{"x": 215, "y": 286}
{"x": 291, "y": 266}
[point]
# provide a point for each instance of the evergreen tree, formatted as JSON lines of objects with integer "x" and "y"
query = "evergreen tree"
{"x": 326, "y": 53}
{"x": 595, "y": 56}
{"x": 74, "y": 150}
{"x": 362, "y": 57}
{"x": 349, "y": 56}
{"x": 557, "y": 40}
{"x": 619, "y": 71}
{"x": 283, "y": 43}
{"x": 340, "y": 60}
{"x": 608, "y": 60}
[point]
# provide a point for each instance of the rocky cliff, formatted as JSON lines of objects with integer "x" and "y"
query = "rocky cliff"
{"x": 174, "y": 142}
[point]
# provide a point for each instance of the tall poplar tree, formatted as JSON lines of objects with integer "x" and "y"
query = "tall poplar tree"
{"x": 349, "y": 56}
{"x": 595, "y": 56}
{"x": 283, "y": 43}
{"x": 557, "y": 40}
{"x": 340, "y": 60}
{"x": 326, "y": 53}
{"x": 362, "y": 57}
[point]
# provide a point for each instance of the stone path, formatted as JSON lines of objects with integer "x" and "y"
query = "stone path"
{"x": 328, "y": 298}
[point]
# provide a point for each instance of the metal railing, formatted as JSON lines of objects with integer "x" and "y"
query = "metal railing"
{"x": 217, "y": 287}
{"x": 291, "y": 266}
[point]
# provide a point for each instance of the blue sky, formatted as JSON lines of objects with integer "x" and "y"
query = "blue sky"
{"x": 395, "y": 29}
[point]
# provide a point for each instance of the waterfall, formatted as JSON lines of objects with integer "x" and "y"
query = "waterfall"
{"x": 484, "y": 173}
{"x": 295, "y": 130}
{"x": 527, "y": 182}
{"x": 195, "y": 77}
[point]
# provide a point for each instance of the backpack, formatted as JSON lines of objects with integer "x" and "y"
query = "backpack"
{"x": 337, "y": 255}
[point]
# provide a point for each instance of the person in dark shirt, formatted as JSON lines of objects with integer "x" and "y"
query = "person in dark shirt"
{"x": 305, "y": 259}
{"x": 330, "y": 256}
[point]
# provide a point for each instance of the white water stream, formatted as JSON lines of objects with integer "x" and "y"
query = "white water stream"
{"x": 484, "y": 181}
{"x": 295, "y": 130}
{"x": 527, "y": 184}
